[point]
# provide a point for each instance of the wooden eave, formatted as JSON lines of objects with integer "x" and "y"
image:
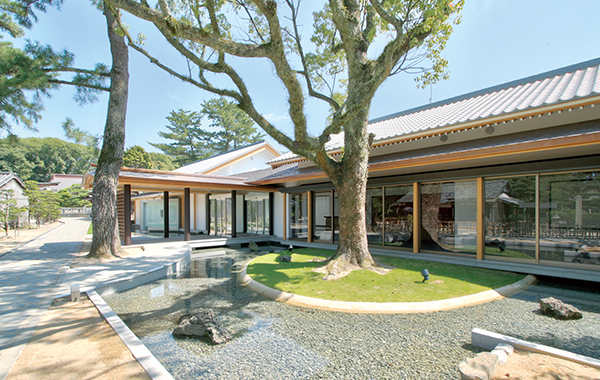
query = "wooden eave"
{"x": 580, "y": 141}
{"x": 455, "y": 128}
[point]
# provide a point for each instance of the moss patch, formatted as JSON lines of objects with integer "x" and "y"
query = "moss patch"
{"x": 403, "y": 284}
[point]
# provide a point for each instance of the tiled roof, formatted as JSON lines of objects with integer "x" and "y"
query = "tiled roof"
{"x": 5, "y": 177}
{"x": 566, "y": 84}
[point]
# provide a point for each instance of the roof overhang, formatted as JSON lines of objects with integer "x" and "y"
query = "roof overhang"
{"x": 145, "y": 180}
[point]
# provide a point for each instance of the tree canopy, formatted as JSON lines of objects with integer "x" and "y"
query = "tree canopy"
{"x": 29, "y": 74}
{"x": 136, "y": 157}
{"x": 353, "y": 47}
{"x": 38, "y": 158}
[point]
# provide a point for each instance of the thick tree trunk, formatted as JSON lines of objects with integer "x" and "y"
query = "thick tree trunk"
{"x": 106, "y": 241}
{"x": 350, "y": 180}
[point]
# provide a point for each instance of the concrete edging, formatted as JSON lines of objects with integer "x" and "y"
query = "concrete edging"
{"x": 488, "y": 340}
{"x": 139, "y": 351}
{"x": 382, "y": 307}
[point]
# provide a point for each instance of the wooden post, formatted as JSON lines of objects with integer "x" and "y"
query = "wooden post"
{"x": 233, "y": 213}
{"x": 186, "y": 215}
{"x": 271, "y": 213}
{"x": 207, "y": 200}
{"x": 127, "y": 214}
{"x": 480, "y": 218}
{"x": 166, "y": 213}
{"x": 416, "y": 218}
{"x": 309, "y": 214}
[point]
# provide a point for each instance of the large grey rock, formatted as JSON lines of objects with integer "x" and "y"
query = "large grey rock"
{"x": 557, "y": 309}
{"x": 203, "y": 325}
{"x": 285, "y": 258}
{"x": 253, "y": 246}
{"x": 481, "y": 367}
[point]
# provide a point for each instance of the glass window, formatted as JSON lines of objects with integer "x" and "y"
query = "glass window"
{"x": 322, "y": 218}
{"x": 298, "y": 216}
{"x": 398, "y": 215}
{"x": 449, "y": 217}
{"x": 220, "y": 215}
{"x": 570, "y": 217}
{"x": 510, "y": 217}
{"x": 257, "y": 213}
{"x": 374, "y": 215}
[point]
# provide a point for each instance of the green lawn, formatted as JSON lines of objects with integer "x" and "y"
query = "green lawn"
{"x": 402, "y": 284}
{"x": 90, "y": 229}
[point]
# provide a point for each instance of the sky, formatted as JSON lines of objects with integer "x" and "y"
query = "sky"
{"x": 498, "y": 41}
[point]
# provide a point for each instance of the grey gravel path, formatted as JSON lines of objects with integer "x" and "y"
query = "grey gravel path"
{"x": 278, "y": 341}
{"x": 28, "y": 276}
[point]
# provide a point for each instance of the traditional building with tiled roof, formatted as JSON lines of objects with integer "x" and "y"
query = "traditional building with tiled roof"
{"x": 507, "y": 177}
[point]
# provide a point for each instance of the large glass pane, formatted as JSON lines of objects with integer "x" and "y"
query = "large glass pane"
{"x": 449, "y": 217}
{"x": 322, "y": 218}
{"x": 570, "y": 218}
{"x": 267, "y": 223}
{"x": 298, "y": 216}
{"x": 510, "y": 217}
{"x": 398, "y": 215}
{"x": 374, "y": 215}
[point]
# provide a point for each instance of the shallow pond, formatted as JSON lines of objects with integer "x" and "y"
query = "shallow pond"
{"x": 273, "y": 340}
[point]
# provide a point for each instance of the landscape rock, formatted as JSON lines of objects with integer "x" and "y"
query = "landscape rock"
{"x": 285, "y": 259}
{"x": 555, "y": 308}
{"x": 481, "y": 367}
{"x": 253, "y": 246}
{"x": 203, "y": 325}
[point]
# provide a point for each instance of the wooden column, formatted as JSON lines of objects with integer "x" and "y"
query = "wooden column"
{"x": 309, "y": 214}
{"x": 166, "y": 213}
{"x": 245, "y": 214}
{"x": 271, "y": 213}
{"x": 233, "y": 213}
{"x": 207, "y": 207}
{"x": 127, "y": 214}
{"x": 186, "y": 214}
{"x": 537, "y": 218}
{"x": 416, "y": 218}
{"x": 480, "y": 218}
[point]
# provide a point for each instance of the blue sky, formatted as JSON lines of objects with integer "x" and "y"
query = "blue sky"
{"x": 498, "y": 41}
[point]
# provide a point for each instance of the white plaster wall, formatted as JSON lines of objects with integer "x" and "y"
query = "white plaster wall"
{"x": 255, "y": 162}
{"x": 20, "y": 197}
{"x": 278, "y": 208}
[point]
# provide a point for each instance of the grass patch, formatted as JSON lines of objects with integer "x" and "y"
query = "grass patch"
{"x": 402, "y": 284}
{"x": 90, "y": 229}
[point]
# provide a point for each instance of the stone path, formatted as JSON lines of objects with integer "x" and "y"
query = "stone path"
{"x": 28, "y": 276}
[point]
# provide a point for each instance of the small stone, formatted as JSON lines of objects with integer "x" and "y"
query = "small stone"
{"x": 555, "y": 308}
{"x": 285, "y": 259}
{"x": 502, "y": 356}
{"x": 253, "y": 246}
{"x": 481, "y": 367}
{"x": 505, "y": 347}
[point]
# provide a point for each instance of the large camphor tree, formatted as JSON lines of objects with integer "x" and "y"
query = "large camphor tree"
{"x": 353, "y": 47}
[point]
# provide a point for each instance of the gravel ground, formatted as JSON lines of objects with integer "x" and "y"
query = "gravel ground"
{"x": 275, "y": 341}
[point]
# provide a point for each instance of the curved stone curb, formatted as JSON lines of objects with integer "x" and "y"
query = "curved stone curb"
{"x": 383, "y": 307}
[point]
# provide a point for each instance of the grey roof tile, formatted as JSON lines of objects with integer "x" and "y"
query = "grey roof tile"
{"x": 565, "y": 84}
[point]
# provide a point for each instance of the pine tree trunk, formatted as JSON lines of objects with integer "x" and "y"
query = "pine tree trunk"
{"x": 106, "y": 241}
